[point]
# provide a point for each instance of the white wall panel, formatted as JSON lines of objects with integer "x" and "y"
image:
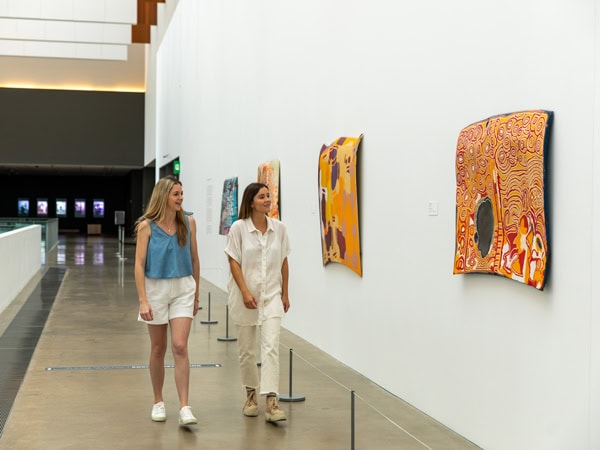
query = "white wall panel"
{"x": 8, "y": 28}
{"x": 115, "y": 33}
{"x": 120, "y": 11}
{"x": 499, "y": 362}
{"x": 56, "y": 9}
{"x": 22, "y": 8}
{"x": 89, "y": 11}
{"x": 11, "y": 47}
{"x": 58, "y": 30}
{"x": 31, "y": 29}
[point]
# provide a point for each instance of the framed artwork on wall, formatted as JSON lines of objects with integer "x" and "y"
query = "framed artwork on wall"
{"x": 98, "y": 208}
{"x": 338, "y": 203}
{"x": 61, "y": 207}
{"x": 268, "y": 173}
{"x": 23, "y": 207}
{"x": 229, "y": 205}
{"x": 79, "y": 207}
{"x": 42, "y": 207}
{"x": 500, "y": 197}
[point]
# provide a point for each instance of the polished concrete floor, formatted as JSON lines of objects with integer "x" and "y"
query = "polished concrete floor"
{"x": 87, "y": 386}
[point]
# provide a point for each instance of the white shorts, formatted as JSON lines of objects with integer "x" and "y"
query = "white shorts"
{"x": 170, "y": 298}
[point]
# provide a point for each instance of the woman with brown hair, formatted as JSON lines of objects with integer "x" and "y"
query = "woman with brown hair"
{"x": 257, "y": 249}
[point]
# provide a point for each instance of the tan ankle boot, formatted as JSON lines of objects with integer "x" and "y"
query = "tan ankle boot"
{"x": 250, "y": 408}
{"x": 273, "y": 412}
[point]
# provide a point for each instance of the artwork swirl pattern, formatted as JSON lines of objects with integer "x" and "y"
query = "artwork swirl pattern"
{"x": 500, "y": 215}
{"x": 338, "y": 202}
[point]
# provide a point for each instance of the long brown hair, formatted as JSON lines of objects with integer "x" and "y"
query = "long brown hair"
{"x": 157, "y": 208}
{"x": 249, "y": 194}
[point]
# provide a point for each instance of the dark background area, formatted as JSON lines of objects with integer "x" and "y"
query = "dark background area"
{"x": 120, "y": 193}
{"x": 74, "y": 144}
{"x": 39, "y": 126}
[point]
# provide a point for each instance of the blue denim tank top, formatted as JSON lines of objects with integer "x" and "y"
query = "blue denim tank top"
{"x": 165, "y": 257}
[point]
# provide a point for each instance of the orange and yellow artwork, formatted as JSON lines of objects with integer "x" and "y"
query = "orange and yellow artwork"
{"x": 268, "y": 173}
{"x": 338, "y": 202}
{"x": 500, "y": 213}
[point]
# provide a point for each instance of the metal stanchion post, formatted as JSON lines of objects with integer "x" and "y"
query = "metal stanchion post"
{"x": 226, "y": 338}
{"x": 121, "y": 238}
{"x": 209, "y": 321}
{"x": 290, "y": 397}
{"x": 352, "y": 420}
{"x": 122, "y": 243}
{"x": 352, "y": 417}
{"x": 119, "y": 241}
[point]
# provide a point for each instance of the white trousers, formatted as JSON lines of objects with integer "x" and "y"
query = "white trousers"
{"x": 269, "y": 357}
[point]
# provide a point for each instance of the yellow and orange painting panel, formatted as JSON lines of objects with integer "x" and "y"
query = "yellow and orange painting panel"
{"x": 268, "y": 173}
{"x": 338, "y": 203}
{"x": 500, "y": 215}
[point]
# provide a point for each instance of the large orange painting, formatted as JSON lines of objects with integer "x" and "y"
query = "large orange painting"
{"x": 500, "y": 213}
{"x": 268, "y": 173}
{"x": 338, "y": 202}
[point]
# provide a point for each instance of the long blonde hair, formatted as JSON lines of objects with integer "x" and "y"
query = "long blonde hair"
{"x": 157, "y": 208}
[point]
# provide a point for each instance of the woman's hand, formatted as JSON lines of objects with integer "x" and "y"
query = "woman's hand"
{"x": 285, "y": 274}
{"x": 286, "y": 302}
{"x": 196, "y": 306}
{"x": 249, "y": 300}
{"x": 146, "y": 311}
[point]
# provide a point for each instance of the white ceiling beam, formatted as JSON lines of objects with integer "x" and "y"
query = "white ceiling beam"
{"x": 64, "y": 31}
{"x": 109, "y": 11}
{"x": 46, "y": 49}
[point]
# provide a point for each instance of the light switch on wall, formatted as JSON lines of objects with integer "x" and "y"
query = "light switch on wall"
{"x": 433, "y": 208}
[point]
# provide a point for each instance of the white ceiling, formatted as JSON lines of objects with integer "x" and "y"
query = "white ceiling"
{"x": 86, "y": 29}
{"x": 70, "y": 44}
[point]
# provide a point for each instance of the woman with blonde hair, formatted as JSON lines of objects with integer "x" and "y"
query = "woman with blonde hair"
{"x": 167, "y": 275}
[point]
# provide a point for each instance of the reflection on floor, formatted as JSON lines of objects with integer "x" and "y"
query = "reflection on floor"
{"x": 87, "y": 385}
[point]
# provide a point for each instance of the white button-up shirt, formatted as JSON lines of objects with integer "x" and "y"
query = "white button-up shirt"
{"x": 260, "y": 256}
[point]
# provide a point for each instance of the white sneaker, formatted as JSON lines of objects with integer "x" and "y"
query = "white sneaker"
{"x": 186, "y": 417}
{"x": 158, "y": 412}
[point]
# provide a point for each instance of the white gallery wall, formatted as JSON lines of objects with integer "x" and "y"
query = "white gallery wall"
{"x": 239, "y": 83}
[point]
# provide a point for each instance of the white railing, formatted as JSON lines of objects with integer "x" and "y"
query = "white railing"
{"x": 20, "y": 261}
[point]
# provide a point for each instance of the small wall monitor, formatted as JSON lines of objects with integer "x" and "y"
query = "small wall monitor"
{"x": 23, "y": 207}
{"x": 79, "y": 207}
{"x": 42, "y": 207}
{"x": 98, "y": 208}
{"x": 61, "y": 207}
